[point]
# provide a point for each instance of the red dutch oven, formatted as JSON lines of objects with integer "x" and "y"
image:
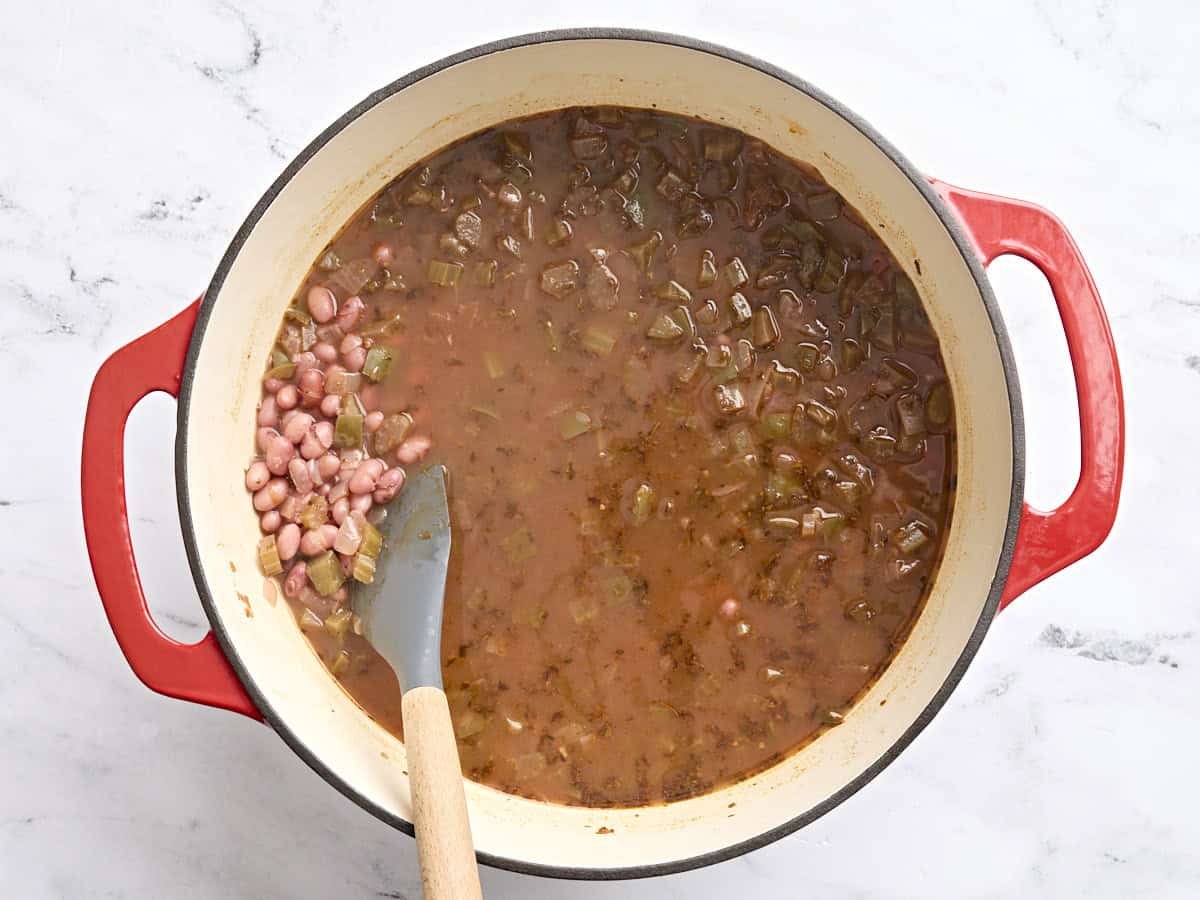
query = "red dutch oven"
{"x": 255, "y": 661}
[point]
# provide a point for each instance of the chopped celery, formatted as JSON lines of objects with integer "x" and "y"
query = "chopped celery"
{"x": 574, "y": 424}
{"x": 362, "y": 569}
{"x": 330, "y": 262}
{"x": 560, "y": 233}
{"x": 343, "y": 383}
{"x": 337, "y": 623}
{"x": 598, "y": 341}
{"x": 911, "y": 537}
{"x": 852, "y": 354}
{"x": 643, "y": 504}
{"x": 728, "y": 399}
{"x": 378, "y": 362}
{"x": 708, "y": 313}
{"x": 372, "y": 541}
{"x": 444, "y": 274}
{"x": 341, "y": 662}
{"x": 708, "y": 269}
{"x": 643, "y": 254}
{"x": 765, "y": 329}
{"x": 348, "y": 430}
{"x": 832, "y": 270}
{"x": 519, "y": 546}
{"x": 268, "y": 556}
{"x": 721, "y": 145}
{"x": 283, "y": 373}
{"x": 664, "y": 328}
{"x": 310, "y": 621}
{"x": 279, "y": 356}
{"x": 560, "y": 279}
{"x": 783, "y": 523}
{"x": 937, "y": 405}
{"x": 325, "y": 573}
{"x": 735, "y": 273}
{"x": 297, "y": 315}
{"x": 673, "y": 291}
{"x": 492, "y": 364}
{"x": 682, "y": 316}
{"x": 775, "y": 426}
{"x": 743, "y": 356}
{"x": 315, "y": 512}
{"x": 392, "y": 432}
{"x": 807, "y": 356}
{"x": 819, "y": 413}
{"x": 740, "y": 307}
{"x": 485, "y": 272}
{"x": 509, "y": 244}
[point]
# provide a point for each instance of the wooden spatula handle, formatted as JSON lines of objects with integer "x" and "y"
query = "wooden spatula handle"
{"x": 447, "y": 856}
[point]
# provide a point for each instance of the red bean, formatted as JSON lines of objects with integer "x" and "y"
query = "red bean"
{"x": 288, "y": 397}
{"x": 389, "y": 485}
{"x": 296, "y": 425}
{"x": 268, "y": 413}
{"x": 382, "y": 254}
{"x": 270, "y": 521}
{"x": 354, "y": 359}
{"x": 331, "y": 405}
{"x": 413, "y": 450}
{"x": 361, "y": 503}
{"x": 321, "y": 304}
{"x": 297, "y": 578}
{"x": 348, "y": 315}
{"x": 312, "y": 386}
{"x": 287, "y": 542}
{"x": 278, "y": 454}
{"x": 298, "y": 470}
{"x": 270, "y": 496}
{"x": 372, "y": 421}
{"x": 313, "y": 543}
{"x": 326, "y": 353}
{"x": 305, "y": 361}
{"x": 257, "y": 475}
{"x": 328, "y": 465}
{"x": 364, "y": 477}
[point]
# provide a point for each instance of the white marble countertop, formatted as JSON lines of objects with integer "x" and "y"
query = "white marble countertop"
{"x": 135, "y": 141}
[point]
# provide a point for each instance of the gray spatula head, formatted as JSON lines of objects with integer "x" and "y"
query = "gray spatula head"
{"x": 401, "y": 610}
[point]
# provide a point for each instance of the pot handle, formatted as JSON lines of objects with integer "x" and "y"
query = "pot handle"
{"x": 1050, "y": 541}
{"x": 197, "y": 672}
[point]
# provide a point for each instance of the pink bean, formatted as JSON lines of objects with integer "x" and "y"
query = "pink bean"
{"x": 312, "y": 386}
{"x": 329, "y": 532}
{"x": 287, "y": 542}
{"x": 389, "y": 485}
{"x": 278, "y": 454}
{"x": 354, "y": 359}
{"x": 326, "y": 353}
{"x": 372, "y": 421}
{"x": 272, "y": 385}
{"x": 364, "y": 477}
{"x": 296, "y": 426}
{"x": 349, "y": 535}
{"x": 350, "y": 342}
{"x": 291, "y": 508}
{"x": 347, "y": 565}
{"x": 340, "y": 510}
{"x": 270, "y": 496}
{"x": 314, "y": 473}
{"x": 321, "y": 304}
{"x": 382, "y": 254}
{"x": 264, "y": 437}
{"x": 328, "y": 465}
{"x": 270, "y": 521}
{"x": 413, "y": 450}
{"x": 730, "y": 608}
{"x": 324, "y": 489}
{"x": 369, "y": 396}
{"x": 324, "y": 432}
{"x": 305, "y": 361}
{"x": 331, "y": 405}
{"x": 297, "y": 578}
{"x": 298, "y": 471}
{"x": 342, "y": 594}
{"x": 313, "y": 543}
{"x": 348, "y": 315}
{"x": 268, "y": 413}
{"x": 361, "y": 503}
{"x": 310, "y": 446}
{"x": 288, "y": 397}
{"x": 257, "y": 475}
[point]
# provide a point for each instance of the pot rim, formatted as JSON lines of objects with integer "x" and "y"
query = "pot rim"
{"x": 948, "y": 220}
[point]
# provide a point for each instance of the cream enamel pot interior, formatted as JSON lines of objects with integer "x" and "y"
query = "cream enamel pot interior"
{"x": 260, "y": 664}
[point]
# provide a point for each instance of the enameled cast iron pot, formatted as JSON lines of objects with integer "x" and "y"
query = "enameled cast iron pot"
{"x": 256, "y": 662}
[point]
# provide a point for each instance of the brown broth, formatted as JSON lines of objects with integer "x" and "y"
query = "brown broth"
{"x": 686, "y": 591}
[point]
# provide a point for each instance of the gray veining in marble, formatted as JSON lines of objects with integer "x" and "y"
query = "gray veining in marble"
{"x": 135, "y": 138}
